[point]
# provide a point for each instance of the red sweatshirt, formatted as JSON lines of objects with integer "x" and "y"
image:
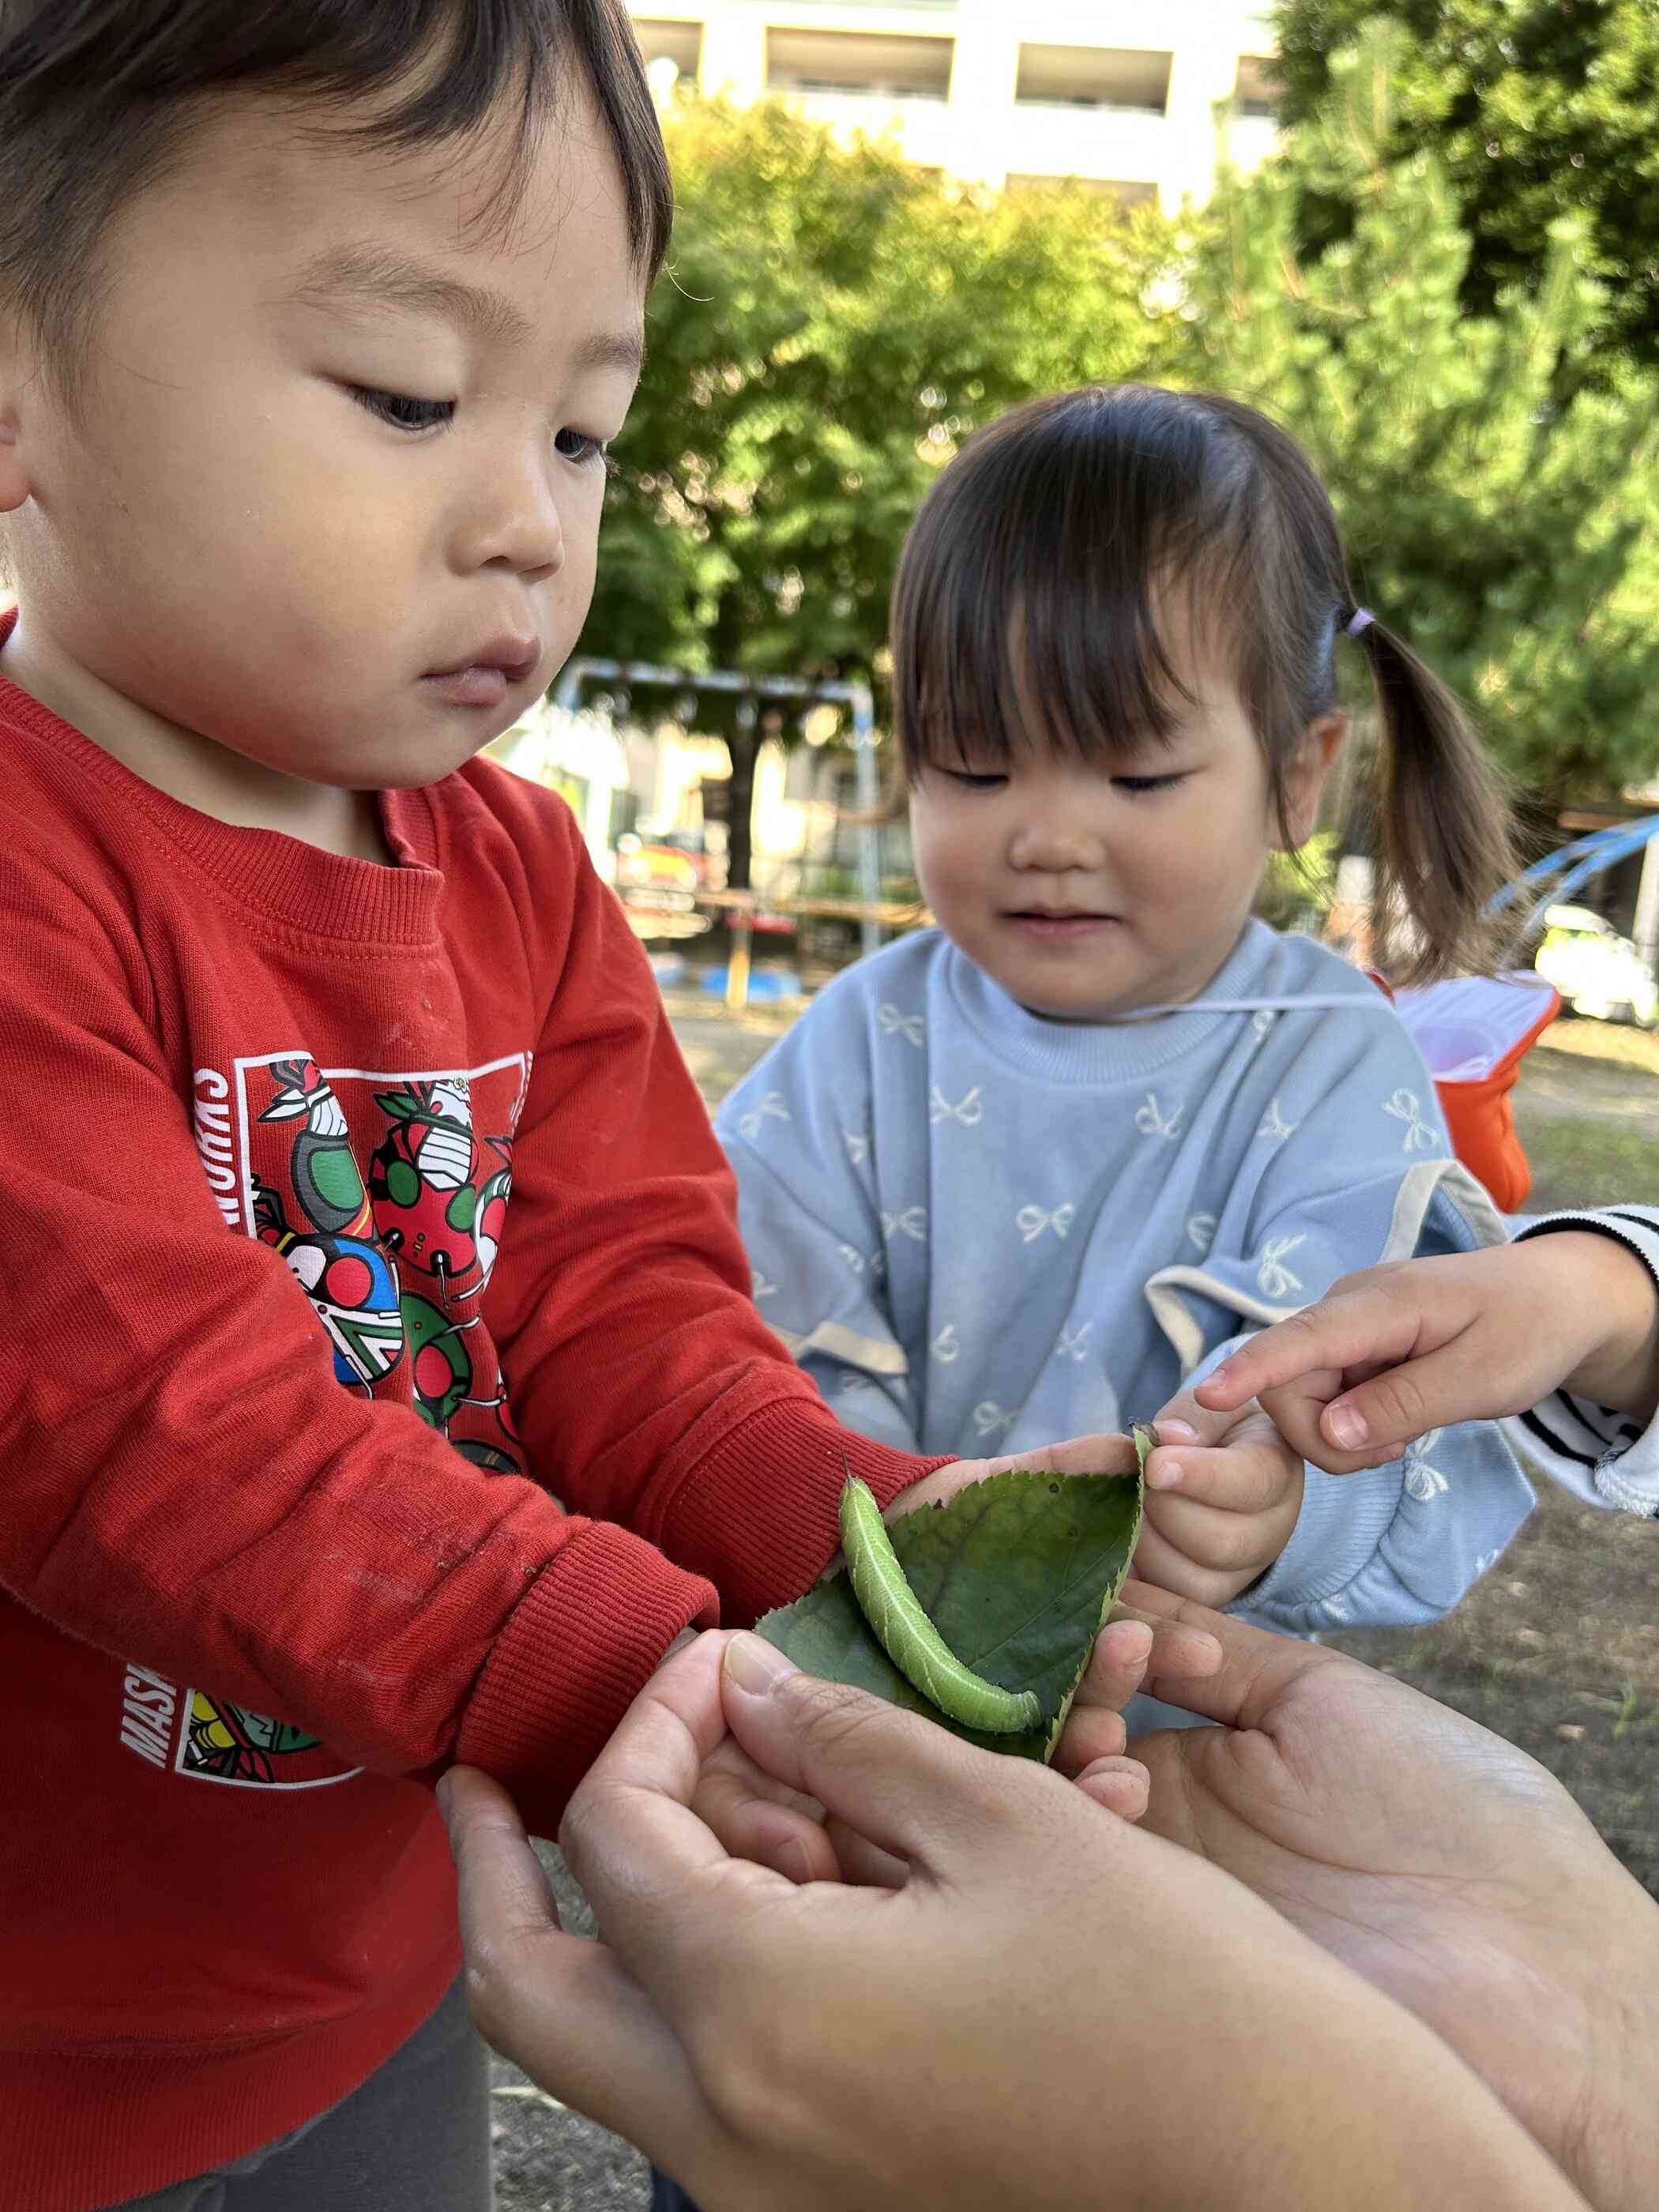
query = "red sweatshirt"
{"x": 348, "y": 1212}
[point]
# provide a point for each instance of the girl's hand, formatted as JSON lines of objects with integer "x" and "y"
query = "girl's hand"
{"x": 1396, "y": 1351}
{"x": 1221, "y": 1508}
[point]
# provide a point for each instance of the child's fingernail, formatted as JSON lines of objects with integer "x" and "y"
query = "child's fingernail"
{"x": 1178, "y": 1433}
{"x": 1222, "y": 1374}
{"x": 1164, "y": 1473}
{"x": 1347, "y": 1424}
{"x": 753, "y": 1664}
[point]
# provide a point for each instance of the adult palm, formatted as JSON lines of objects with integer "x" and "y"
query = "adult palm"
{"x": 1439, "y": 1861}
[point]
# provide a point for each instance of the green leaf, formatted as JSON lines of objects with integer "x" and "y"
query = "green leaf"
{"x": 1017, "y": 1573}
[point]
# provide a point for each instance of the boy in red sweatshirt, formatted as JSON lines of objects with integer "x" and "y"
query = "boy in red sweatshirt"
{"x": 357, "y": 1204}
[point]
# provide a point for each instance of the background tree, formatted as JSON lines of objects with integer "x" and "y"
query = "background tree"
{"x": 832, "y": 322}
{"x": 1536, "y": 109}
{"x": 1513, "y": 539}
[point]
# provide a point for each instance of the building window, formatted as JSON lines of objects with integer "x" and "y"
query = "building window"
{"x": 859, "y": 62}
{"x": 1094, "y": 76}
{"x": 663, "y": 42}
{"x": 1256, "y": 92}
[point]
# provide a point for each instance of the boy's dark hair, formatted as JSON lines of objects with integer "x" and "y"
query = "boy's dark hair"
{"x": 96, "y": 98}
{"x": 1032, "y": 580}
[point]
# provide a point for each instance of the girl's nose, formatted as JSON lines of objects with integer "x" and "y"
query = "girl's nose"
{"x": 1053, "y": 841}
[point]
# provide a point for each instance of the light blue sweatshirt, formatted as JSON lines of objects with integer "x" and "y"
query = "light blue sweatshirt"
{"x": 980, "y": 1230}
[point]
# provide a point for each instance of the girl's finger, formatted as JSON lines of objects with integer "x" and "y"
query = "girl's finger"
{"x": 1246, "y": 1477}
{"x": 1158, "y": 1561}
{"x": 1212, "y": 1537}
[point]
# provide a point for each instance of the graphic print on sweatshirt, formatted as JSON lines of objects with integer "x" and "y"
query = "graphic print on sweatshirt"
{"x": 387, "y": 1196}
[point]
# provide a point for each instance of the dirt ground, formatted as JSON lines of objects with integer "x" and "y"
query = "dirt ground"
{"x": 1556, "y": 1649}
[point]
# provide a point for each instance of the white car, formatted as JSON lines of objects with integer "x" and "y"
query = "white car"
{"x": 1597, "y": 971}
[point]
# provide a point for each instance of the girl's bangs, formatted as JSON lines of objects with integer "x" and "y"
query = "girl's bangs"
{"x": 1032, "y": 601}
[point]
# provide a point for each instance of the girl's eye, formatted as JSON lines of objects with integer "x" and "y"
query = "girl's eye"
{"x": 576, "y": 446}
{"x": 400, "y": 410}
{"x": 969, "y": 779}
{"x": 1135, "y": 785}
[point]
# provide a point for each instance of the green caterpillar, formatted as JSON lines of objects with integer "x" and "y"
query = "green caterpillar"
{"x": 908, "y": 1638}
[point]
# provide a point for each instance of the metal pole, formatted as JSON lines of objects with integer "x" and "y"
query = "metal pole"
{"x": 869, "y": 794}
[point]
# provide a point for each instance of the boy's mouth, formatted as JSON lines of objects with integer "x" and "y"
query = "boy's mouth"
{"x": 484, "y": 678}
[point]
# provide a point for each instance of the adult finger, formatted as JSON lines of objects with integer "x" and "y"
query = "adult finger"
{"x": 1120, "y": 1786}
{"x": 1179, "y": 1649}
{"x": 911, "y": 1789}
{"x": 629, "y": 1833}
{"x": 1117, "y": 1665}
{"x": 1112, "y": 1453}
{"x": 758, "y": 1818}
{"x": 1257, "y": 1668}
{"x": 1090, "y": 1732}
{"x": 560, "y": 2007}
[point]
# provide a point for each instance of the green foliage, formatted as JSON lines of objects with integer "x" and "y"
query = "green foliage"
{"x": 1536, "y": 109}
{"x": 1017, "y": 1573}
{"x": 1512, "y": 537}
{"x": 833, "y": 321}
{"x": 1298, "y": 887}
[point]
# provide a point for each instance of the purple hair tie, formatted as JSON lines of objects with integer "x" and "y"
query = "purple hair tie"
{"x": 1361, "y": 620}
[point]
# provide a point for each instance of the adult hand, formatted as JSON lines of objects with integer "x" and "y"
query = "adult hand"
{"x": 1053, "y": 2007}
{"x": 1396, "y": 1351}
{"x": 1443, "y": 1865}
{"x": 757, "y": 1816}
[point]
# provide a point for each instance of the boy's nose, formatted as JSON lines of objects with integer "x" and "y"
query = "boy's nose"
{"x": 515, "y": 522}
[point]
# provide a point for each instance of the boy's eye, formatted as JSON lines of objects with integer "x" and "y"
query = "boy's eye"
{"x": 973, "y": 779}
{"x": 1135, "y": 785}
{"x": 400, "y": 410}
{"x": 576, "y": 446}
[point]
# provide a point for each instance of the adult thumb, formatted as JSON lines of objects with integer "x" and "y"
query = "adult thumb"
{"x": 897, "y": 1780}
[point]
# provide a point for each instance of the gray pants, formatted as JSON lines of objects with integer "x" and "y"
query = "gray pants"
{"x": 414, "y": 2137}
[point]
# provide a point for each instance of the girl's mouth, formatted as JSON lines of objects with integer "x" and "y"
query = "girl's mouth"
{"x": 1055, "y": 924}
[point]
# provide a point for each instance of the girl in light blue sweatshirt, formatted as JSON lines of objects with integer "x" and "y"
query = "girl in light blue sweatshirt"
{"x": 1035, "y": 1171}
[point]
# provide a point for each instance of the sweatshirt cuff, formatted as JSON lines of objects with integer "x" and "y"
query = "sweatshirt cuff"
{"x": 583, "y": 1641}
{"x": 1620, "y": 1470}
{"x": 1343, "y": 1518}
{"x": 758, "y": 1513}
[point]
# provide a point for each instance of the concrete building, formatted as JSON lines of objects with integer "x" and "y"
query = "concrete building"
{"x": 1013, "y": 92}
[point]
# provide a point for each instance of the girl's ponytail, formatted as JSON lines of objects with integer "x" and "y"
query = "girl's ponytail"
{"x": 1445, "y": 836}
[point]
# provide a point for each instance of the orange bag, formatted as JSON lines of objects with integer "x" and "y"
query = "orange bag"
{"x": 1474, "y": 1032}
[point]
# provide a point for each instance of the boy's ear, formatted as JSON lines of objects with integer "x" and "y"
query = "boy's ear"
{"x": 1304, "y": 780}
{"x": 17, "y": 371}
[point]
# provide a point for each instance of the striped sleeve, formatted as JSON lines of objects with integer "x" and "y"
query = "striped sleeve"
{"x": 1606, "y": 1458}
